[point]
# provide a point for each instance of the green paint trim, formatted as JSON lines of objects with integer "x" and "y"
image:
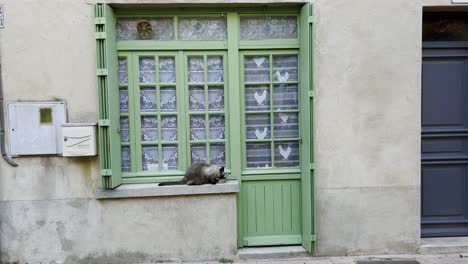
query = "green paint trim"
{"x": 134, "y": 45}
{"x": 174, "y": 11}
{"x": 307, "y": 131}
{"x": 275, "y": 177}
{"x": 272, "y": 240}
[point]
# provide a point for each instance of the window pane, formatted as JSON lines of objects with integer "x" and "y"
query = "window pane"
{"x": 161, "y": 28}
{"x": 197, "y": 98}
{"x": 124, "y": 130}
{"x": 170, "y": 160}
{"x": 216, "y": 127}
{"x": 149, "y": 129}
{"x": 286, "y": 125}
{"x": 258, "y": 155}
{"x": 148, "y": 100}
{"x": 268, "y": 27}
{"x": 257, "y": 98}
{"x": 167, "y": 70}
{"x": 196, "y": 69}
{"x": 216, "y": 98}
{"x": 256, "y": 69}
{"x": 168, "y": 128}
{"x": 215, "y": 68}
{"x": 149, "y": 158}
{"x": 198, "y": 153}
{"x": 197, "y": 127}
{"x": 125, "y": 158}
{"x": 218, "y": 154}
{"x": 287, "y": 154}
{"x": 202, "y": 28}
{"x": 168, "y": 99}
{"x": 123, "y": 71}
{"x": 285, "y": 68}
{"x": 285, "y": 97}
{"x": 147, "y": 70}
{"x": 440, "y": 26}
{"x": 258, "y": 126}
{"x": 123, "y": 100}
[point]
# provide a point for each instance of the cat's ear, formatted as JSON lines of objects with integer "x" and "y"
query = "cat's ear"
{"x": 221, "y": 170}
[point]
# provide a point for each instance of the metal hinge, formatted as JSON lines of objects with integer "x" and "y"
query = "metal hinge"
{"x": 104, "y": 122}
{"x": 99, "y": 20}
{"x": 312, "y": 166}
{"x": 311, "y": 94}
{"x": 311, "y": 19}
{"x": 106, "y": 172}
{"x": 312, "y": 238}
{"x": 102, "y": 72}
{"x": 100, "y": 35}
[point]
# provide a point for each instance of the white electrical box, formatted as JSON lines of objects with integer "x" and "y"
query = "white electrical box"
{"x": 79, "y": 140}
{"x": 34, "y": 128}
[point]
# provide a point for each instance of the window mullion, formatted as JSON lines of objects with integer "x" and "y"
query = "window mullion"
{"x": 133, "y": 110}
{"x": 182, "y": 111}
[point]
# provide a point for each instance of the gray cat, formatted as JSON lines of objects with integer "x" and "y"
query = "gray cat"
{"x": 200, "y": 173}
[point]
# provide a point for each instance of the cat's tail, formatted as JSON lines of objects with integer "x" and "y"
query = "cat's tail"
{"x": 171, "y": 183}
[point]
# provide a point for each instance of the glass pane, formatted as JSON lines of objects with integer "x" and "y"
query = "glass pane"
{"x": 257, "y": 98}
{"x": 149, "y": 158}
{"x": 286, "y": 125}
{"x": 168, "y": 128}
{"x": 147, "y": 68}
{"x": 125, "y": 158}
{"x": 216, "y": 127}
{"x": 197, "y": 127}
{"x": 168, "y": 99}
{"x": 161, "y": 28}
{"x": 268, "y": 27}
{"x": 170, "y": 160}
{"x": 258, "y": 126}
{"x": 202, "y": 28}
{"x": 285, "y": 68}
{"x": 148, "y": 100}
{"x": 198, "y": 153}
{"x": 215, "y": 68}
{"x": 123, "y": 100}
{"x": 285, "y": 97}
{"x": 258, "y": 155}
{"x": 443, "y": 26}
{"x": 123, "y": 75}
{"x": 216, "y": 98}
{"x": 167, "y": 70}
{"x": 197, "y": 98}
{"x": 124, "y": 130}
{"x": 196, "y": 69}
{"x": 218, "y": 154}
{"x": 256, "y": 69}
{"x": 149, "y": 129}
{"x": 287, "y": 154}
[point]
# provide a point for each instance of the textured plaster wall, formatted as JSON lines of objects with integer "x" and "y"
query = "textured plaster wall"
{"x": 367, "y": 126}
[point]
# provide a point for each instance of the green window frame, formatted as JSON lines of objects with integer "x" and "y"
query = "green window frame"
{"x": 233, "y": 50}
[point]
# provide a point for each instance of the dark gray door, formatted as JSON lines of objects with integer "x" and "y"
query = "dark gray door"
{"x": 444, "y": 140}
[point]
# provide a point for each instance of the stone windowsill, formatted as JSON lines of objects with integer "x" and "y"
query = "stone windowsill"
{"x": 154, "y": 190}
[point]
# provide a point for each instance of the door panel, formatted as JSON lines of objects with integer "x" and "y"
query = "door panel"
{"x": 271, "y": 177}
{"x": 272, "y": 209}
{"x": 444, "y": 150}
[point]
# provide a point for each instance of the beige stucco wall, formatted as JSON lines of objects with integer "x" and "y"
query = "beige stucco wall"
{"x": 367, "y": 142}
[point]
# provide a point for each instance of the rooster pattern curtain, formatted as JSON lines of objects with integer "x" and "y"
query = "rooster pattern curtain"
{"x": 272, "y": 110}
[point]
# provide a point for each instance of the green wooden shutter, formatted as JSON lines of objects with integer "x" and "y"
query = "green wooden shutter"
{"x": 108, "y": 96}
{"x": 308, "y": 232}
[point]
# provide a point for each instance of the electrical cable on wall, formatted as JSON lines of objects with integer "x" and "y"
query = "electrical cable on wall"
{"x": 2, "y": 126}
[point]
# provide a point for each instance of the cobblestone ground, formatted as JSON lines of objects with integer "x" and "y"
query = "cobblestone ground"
{"x": 422, "y": 259}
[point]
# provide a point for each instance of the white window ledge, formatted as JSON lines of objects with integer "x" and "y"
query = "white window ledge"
{"x": 154, "y": 190}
